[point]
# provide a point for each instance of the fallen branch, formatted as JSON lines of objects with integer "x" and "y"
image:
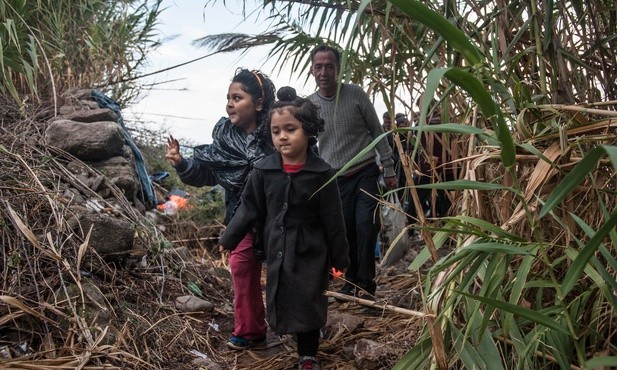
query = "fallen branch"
{"x": 369, "y": 303}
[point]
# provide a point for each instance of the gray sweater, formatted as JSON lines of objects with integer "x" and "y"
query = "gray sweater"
{"x": 351, "y": 125}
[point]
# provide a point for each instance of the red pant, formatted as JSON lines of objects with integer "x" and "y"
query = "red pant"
{"x": 249, "y": 314}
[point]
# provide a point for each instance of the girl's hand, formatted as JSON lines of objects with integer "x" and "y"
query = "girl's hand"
{"x": 173, "y": 151}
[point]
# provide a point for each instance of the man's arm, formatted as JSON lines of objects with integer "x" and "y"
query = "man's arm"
{"x": 375, "y": 129}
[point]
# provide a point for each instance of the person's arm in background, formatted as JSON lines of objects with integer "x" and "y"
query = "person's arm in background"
{"x": 375, "y": 129}
{"x": 191, "y": 171}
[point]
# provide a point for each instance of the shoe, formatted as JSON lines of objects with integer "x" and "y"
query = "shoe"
{"x": 347, "y": 289}
{"x": 365, "y": 294}
{"x": 239, "y": 343}
{"x": 308, "y": 363}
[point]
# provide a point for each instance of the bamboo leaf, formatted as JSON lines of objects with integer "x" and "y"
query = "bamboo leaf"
{"x": 470, "y": 357}
{"x": 489, "y": 108}
{"x": 503, "y": 248}
{"x": 455, "y": 37}
{"x": 535, "y": 316}
{"x": 439, "y": 238}
{"x": 601, "y": 361}
{"x": 417, "y": 357}
{"x": 452, "y": 128}
{"x": 579, "y": 264}
{"x": 354, "y": 160}
{"x": 576, "y": 176}
{"x": 463, "y": 185}
{"x": 491, "y": 228}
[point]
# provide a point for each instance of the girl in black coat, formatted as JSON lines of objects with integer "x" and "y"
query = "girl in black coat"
{"x": 291, "y": 192}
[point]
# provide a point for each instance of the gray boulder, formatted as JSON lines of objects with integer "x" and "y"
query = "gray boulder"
{"x": 86, "y": 141}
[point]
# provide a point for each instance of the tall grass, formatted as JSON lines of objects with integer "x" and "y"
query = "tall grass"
{"x": 49, "y": 46}
{"x": 528, "y": 99}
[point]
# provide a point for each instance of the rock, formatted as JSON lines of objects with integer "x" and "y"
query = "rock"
{"x": 86, "y": 141}
{"x": 342, "y": 321}
{"x": 110, "y": 235}
{"x": 189, "y": 303}
{"x": 220, "y": 272}
{"x": 74, "y": 196}
{"x": 87, "y": 115}
{"x": 371, "y": 355}
{"x": 119, "y": 171}
{"x": 206, "y": 364}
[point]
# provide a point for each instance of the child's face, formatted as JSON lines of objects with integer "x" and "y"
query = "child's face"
{"x": 240, "y": 107}
{"x": 288, "y": 137}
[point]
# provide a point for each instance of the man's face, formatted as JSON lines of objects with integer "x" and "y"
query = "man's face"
{"x": 387, "y": 123}
{"x": 403, "y": 122}
{"x": 325, "y": 71}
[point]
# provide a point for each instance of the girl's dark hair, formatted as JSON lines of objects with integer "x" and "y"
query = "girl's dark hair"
{"x": 302, "y": 109}
{"x": 258, "y": 86}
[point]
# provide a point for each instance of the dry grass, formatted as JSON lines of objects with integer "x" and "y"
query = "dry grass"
{"x": 50, "y": 317}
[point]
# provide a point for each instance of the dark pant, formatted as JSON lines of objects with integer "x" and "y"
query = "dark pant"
{"x": 442, "y": 202}
{"x": 308, "y": 343}
{"x": 362, "y": 224}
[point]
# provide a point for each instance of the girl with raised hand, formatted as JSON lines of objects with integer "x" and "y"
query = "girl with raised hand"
{"x": 292, "y": 192}
{"x": 237, "y": 145}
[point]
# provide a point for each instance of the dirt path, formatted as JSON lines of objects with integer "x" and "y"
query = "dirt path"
{"x": 356, "y": 336}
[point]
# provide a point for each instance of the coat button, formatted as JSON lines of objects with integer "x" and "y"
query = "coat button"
{"x": 285, "y": 205}
{"x": 282, "y": 229}
{"x": 279, "y": 255}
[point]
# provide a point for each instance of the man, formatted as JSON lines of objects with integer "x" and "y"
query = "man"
{"x": 387, "y": 126}
{"x": 430, "y": 158}
{"x": 387, "y": 121}
{"x": 351, "y": 124}
{"x": 401, "y": 121}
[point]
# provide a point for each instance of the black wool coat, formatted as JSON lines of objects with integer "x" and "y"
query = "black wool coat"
{"x": 304, "y": 236}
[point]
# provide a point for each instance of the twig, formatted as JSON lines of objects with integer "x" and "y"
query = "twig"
{"x": 195, "y": 239}
{"x": 369, "y": 303}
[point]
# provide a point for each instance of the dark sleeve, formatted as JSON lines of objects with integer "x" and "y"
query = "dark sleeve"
{"x": 250, "y": 209}
{"x": 331, "y": 212}
{"x": 195, "y": 173}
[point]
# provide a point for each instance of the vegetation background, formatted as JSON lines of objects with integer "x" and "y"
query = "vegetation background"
{"x": 527, "y": 94}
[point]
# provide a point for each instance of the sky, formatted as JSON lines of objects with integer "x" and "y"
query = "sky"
{"x": 194, "y": 100}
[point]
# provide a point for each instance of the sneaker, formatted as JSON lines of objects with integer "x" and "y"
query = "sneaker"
{"x": 347, "y": 289}
{"x": 308, "y": 363}
{"x": 239, "y": 343}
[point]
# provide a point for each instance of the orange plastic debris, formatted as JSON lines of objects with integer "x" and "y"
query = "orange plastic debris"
{"x": 336, "y": 273}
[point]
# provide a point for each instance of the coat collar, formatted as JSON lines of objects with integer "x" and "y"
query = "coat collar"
{"x": 313, "y": 163}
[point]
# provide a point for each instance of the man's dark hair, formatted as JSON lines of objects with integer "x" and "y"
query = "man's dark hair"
{"x": 326, "y": 48}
